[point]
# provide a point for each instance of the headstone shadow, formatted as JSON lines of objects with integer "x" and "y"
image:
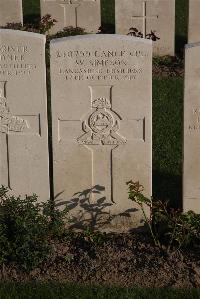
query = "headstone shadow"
{"x": 168, "y": 187}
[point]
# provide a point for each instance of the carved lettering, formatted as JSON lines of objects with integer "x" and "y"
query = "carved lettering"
{"x": 14, "y": 61}
{"x": 119, "y": 65}
{"x": 194, "y": 125}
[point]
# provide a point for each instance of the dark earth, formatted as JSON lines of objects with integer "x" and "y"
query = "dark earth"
{"x": 121, "y": 259}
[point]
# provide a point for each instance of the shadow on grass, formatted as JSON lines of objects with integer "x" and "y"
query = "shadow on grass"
{"x": 32, "y": 19}
{"x": 181, "y": 41}
{"x": 107, "y": 28}
{"x": 182, "y": 9}
{"x": 168, "y": 187}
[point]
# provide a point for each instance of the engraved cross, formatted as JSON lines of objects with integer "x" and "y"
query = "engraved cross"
{"x": 144, "y": 18}
{"x": 101, "y": 135}
{"x": 10, "y": 125}
{"x": 70, "y": 14}
{"x": 72, "y": 17}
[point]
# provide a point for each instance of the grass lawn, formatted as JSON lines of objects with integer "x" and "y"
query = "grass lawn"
{"x": 62, "y": 291}
{"x": 167, "y": 139}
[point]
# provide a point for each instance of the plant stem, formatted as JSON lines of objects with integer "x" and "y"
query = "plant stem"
{"x": 156, "y": 242}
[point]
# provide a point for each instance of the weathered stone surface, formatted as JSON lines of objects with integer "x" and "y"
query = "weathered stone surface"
{"x": 10, "y": 12}
{"x": 77, "y": 13}
{"x": 23, "y": 116}
{"x": 191, "y": 180}
{"x": 194, "y": 21}
{"x": 101, "y": 109}
{"x": 147, "y": 16}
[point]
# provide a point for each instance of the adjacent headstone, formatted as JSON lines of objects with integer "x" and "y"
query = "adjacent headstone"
{"x": 77, "y": 13}
{"x": 194, "y": 21}
{"x": 102, "y": 122}
{"x": 23, "y": 115}
{"x": 146, "y": 16}
{"x": 10, "y": 12}
{"x": 191, "y": 178}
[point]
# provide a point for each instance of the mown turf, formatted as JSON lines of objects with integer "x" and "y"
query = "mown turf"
{"x": 167, "y": 139}
{"x": 62, "y": 291}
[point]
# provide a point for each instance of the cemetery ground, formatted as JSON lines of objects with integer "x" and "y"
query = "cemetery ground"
{"x": 113, "y": 259}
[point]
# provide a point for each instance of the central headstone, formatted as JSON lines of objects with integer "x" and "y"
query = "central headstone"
{"x": 23, "y": 114}
{"x": 77, "y": 13}
{"x": 157, "y": 16}
{"x": 10, "y": 12}
{"x": 101, "y": 108}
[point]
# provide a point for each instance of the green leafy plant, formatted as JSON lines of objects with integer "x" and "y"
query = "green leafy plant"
{"x": 95, "y": 237}
{"x": 168, "y": 227}
{"x": 135, "y": 32}
{"x": 46, "y": 23}
{"x": 69, "y": 31}
{"x": 25, "y": 229}
{"x": 136, "y": 195}
{"x": 42, "y": 26}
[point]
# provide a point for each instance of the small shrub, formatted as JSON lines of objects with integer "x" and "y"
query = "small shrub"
{"x": 25, "y": 229}
{"x": 42, "y": 26}
{"x": 135, "y": 32}
{"x": 46, "y": 24}
{"x": 69, "y": 31}
{"x": 168, "y": 227}
{"x": 95, "y": 237}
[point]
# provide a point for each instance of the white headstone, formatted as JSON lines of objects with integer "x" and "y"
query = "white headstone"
{"x": 191, "y": 178}
{"x": 23, "y": 115}
{"x": 101, "y": 111}
{"x": 77, "y": 13}
{"x": 194, "y": 21}
{"x": 146, "y": 16}
{"x": 10, "y": 12}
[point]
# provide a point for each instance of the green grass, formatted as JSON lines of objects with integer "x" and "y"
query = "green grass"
{"x": 108, "y": 14}
{"x": 167, "y": 139}
{"x": 75, "y": 291}
{"x": 31, "y": 9}
{"x": 181, "y": 24}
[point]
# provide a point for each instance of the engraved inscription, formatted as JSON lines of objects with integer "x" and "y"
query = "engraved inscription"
{"x": 100, "y": 65}
{"x": 102, "y": 125}
{"x": 194, "y": 125}
{"x": 14, "y": 60}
